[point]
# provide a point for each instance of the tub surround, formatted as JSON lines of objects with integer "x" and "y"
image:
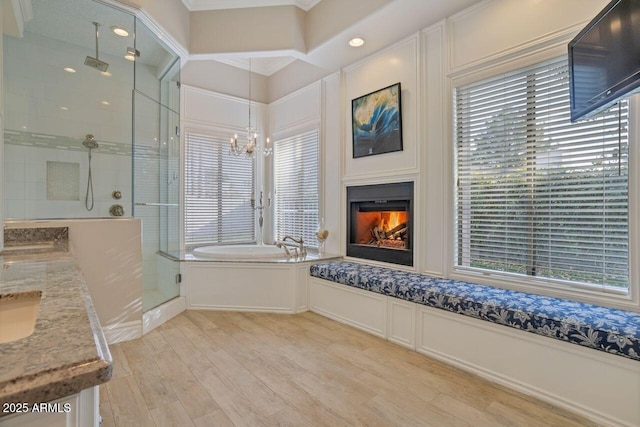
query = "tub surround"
{"x": 276, "y": 285}
{"x": 189, "y": 256}
{"x": 67, "y": 351}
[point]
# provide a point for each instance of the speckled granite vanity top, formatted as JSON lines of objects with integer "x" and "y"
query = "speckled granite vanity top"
{"x": 67, "y": 351}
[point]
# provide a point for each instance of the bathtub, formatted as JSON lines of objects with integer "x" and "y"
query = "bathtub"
{"x": 240, "y": 252}
{"x": 246, "y": 278}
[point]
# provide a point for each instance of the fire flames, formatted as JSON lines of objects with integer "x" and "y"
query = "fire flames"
{"x": 382, "y": 228}
{"x": 391, "y": 220}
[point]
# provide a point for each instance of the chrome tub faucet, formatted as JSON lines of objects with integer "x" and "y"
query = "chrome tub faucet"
{"x": 300, "y": 242}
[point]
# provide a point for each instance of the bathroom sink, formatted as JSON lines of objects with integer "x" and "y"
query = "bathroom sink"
{"x": 18, "y": 316}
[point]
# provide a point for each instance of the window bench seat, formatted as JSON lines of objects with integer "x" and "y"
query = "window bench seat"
{"x": 463, "y": 324}
{"x": 601, "y": 328}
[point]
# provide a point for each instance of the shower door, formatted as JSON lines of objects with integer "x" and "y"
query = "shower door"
{"x": 156, "y": 165}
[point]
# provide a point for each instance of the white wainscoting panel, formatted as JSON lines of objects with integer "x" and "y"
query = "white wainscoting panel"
{"x": 241, "y": 286}
{"x": 362, "y": 309}
{"x": 302, "y": 289}
{"x": 401, "y": 324}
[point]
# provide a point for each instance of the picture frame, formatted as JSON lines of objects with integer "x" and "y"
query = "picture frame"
{"x": 376, "y": 120}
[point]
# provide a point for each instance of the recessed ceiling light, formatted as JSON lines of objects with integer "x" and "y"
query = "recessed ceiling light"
{"x": 64, "y": 108}
{"x": 105, "y": 103}
{"x": 356, "y": 42}
{"x": 69, "y": 70}
{"x": 119, "y": 31}
{"x": 106, "y": 73}
{"x": 129, "y": 57}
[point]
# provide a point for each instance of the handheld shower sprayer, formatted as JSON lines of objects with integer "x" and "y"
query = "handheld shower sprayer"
{"x": 90, "y": 143}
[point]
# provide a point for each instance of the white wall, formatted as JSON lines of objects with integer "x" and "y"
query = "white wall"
{"x": 210, "y": 108}
{"x": 469, "y": 45}
{"x": 298, "y": 110}
{"x": 332, "y": 163}
{"x": 398, "y": 63}
{"x": 277, "y": 28}
{"x": 494, "y": 28}
{"x": 224, "y": 79}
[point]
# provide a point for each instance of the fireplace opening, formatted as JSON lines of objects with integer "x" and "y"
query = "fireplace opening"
{"x": 380, "y": 222}
{"x": 387, "y": 229}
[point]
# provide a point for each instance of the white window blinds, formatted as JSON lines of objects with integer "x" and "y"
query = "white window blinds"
{"x": 296, "y": 187}
{"x": 536, "y": 194}
{"x": 218, "y": 189}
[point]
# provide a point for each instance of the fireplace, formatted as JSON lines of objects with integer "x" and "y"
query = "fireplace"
{"x": 380, "y": 222}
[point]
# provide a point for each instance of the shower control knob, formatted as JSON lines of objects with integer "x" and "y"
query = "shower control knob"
{"x": 116, "y": 210}
{"x": 117, "y": 194}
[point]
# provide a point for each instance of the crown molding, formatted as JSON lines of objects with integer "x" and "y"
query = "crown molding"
{"x": 199, "y": 5}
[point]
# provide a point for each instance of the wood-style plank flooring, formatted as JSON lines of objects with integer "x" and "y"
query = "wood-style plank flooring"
{"x": 208, "y": 368}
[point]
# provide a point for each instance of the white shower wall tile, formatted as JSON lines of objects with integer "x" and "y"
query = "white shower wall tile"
{"x": 37, "y": 86}
{"x": 25, "y": 191}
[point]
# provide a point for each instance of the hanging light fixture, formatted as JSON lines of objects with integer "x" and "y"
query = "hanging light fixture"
{"x": 251, "y": 146}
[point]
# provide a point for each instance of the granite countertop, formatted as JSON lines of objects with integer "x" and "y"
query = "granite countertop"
{"x": 67, "y": 351}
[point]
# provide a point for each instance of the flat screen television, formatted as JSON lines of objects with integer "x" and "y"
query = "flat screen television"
{"x": 604, "y": 59}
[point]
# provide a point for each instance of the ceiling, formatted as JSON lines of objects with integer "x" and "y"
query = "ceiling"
{"x": 194, "y": 5}
{"x": 387, "y": 23}
{"x": 390, "y": 21}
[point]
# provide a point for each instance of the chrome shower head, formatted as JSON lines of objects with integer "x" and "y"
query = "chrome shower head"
{"x": 96, "y": 62}
{"x": 90, "y": 142}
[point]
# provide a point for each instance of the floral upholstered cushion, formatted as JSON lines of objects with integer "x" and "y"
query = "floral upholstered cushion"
{"x": 606, "y": 329}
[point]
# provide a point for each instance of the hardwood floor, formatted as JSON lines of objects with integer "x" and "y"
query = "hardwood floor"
{"x": 207, "y": 368}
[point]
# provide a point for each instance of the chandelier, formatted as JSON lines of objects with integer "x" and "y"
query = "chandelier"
{"x": 251, "y": 146}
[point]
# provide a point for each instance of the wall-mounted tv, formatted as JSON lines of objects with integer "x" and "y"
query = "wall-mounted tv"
{"x": 604, "y": 59}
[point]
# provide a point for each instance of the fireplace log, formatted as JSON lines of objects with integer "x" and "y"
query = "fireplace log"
{"x": 378, "y": 234}
{"x": 397, "y": 229}
{"x": 399, "y": 233}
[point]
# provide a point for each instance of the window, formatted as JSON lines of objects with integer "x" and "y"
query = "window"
{"x": 296, "y": 187}
{"x": 218, "y": 188}
{"x": 536, "y": 194}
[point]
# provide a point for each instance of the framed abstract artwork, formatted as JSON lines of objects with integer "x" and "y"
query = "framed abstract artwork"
{"x": 377, "y": 122}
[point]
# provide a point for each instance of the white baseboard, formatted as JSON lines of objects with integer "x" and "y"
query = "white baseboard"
{"x": 349, "y": 322}
{"x": 125, "y": 331}
{"x": 163, "y": 313}
{"x": 256, "y": 309}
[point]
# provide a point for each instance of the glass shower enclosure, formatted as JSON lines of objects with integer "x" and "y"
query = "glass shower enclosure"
{"x": 156, "y": 164}
{"x": 55, "y": 96}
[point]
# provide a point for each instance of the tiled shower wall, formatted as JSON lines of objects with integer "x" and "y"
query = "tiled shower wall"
{"x": 48, "y": 113}
{"x": 25, "y": 192}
